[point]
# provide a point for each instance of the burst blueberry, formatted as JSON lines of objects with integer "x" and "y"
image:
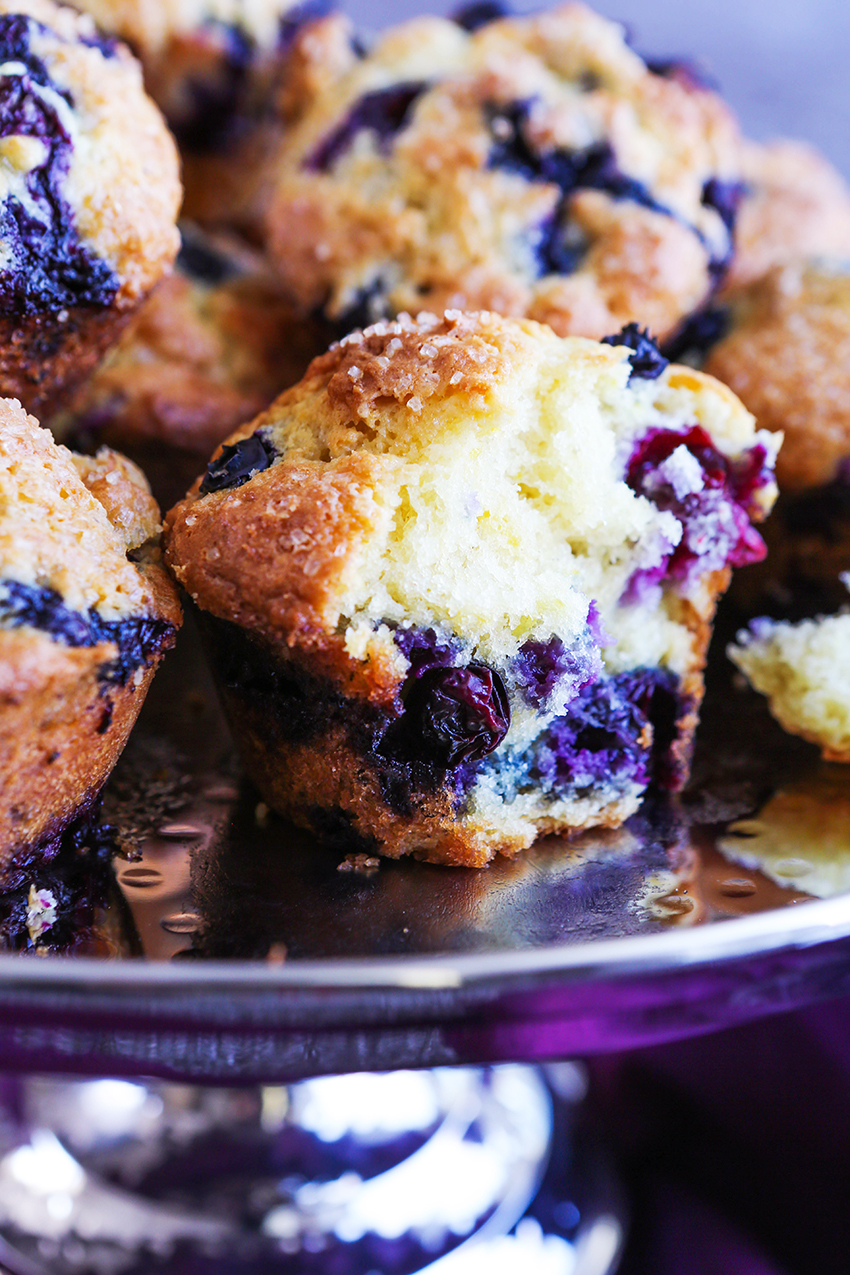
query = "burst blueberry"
{"x": 647, "y": 362}
{"x": 455, "y": 715}
{"x": 238, "y": 462}
{"x": 46, "y": 267}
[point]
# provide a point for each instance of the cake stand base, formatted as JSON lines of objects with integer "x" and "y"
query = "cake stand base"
{"x": 454, "y": 1171}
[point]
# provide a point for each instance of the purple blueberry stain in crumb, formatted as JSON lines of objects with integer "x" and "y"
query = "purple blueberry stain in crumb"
{"x": 383, "y": 112}
{"x": 425, "y": 649}
{"x": 480, "y": 13}
{"x": 709, "y": 494}
{"x": 696, "y": 334}
{"x": 46, "y": 268}
{"x": 139, "y": 639}
{"x": 238, "y": 462}
{"x": 618, "y": 732}
{"x": 647, "y": 362}
{"x": 597, "y": 629}
{"x": 542, "y": 667}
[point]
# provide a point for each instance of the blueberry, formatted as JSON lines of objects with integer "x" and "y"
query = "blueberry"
{"x": 724, "y": 197}
{"x": 138, "y": 639}
{"x": 559, "y": 249}
{"x": 215, "y": 101}
{"x": 384, "y": 112}
{"x": 540, "y": 666}
{"x": 455, "y": 715}
{"x": 368, "y": 305}
{"x": 697, "y": 333}
{"x": 479, "y": 13}
{"x": 45, "y": 267}
{"x": 199, "y": 259}
{"x": 685, "y": 72}
{"x": 238, "y": 462}
{"x": 561, "y": 246}
{"x": 647, "y": 361}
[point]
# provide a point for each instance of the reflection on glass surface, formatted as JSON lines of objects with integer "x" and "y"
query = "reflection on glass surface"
{"x": 801, "y": 837}
{"x": 328, "y": 1174}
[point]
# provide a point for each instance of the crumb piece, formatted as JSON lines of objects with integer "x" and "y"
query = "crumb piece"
{"x": 365, "y": 865}
{"x": 261, "y": 814}
{"x": 41, "y": 912}
{"x": 804, "y": 671}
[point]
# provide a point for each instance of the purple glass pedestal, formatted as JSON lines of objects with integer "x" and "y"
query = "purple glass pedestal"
{"x": 455, "y": 1171}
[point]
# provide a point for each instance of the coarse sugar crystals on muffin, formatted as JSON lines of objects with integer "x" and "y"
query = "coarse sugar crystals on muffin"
{"x": 89, "y": 193}
{"x": 533, "y": 166}
{"x": 459, "y": 581}
{"x": 804, "y": 671}
{"x": 86, "y": 612}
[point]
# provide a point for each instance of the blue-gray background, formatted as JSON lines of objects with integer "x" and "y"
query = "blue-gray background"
{"x": 784, "y": 65}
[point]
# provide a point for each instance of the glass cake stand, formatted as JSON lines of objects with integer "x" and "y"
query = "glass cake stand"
{"x": 171, "y": 1016}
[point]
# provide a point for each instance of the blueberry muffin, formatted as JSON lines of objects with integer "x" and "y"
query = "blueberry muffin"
{"x": 532, "y": 166}
{"x": 787, "y": 356}
{"x": 804, "y": 670}
{"x": 459, "y": 581}
{"x": 795, "y": 205}
{"x": 85, "y": 615}
{"x": 216, "y": 68}
{"x": 213, "y": 345}
{"x": 90, "y": 190}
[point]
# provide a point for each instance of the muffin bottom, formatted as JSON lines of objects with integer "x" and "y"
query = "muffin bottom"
{"x": 318, "y": 758}
{"x": 62, "y": 729}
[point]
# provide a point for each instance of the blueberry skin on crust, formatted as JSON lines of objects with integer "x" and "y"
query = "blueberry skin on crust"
{"x": 139, "y": 639}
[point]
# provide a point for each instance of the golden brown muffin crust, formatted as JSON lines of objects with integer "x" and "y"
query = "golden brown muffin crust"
{"x": 299, "y": 530}
{"x": 788, "y": 359}
{"x": 796, "y": 205}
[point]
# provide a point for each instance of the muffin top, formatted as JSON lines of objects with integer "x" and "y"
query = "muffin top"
{"x": 787, "y": 356}
{"x": 88, "y": 172}
{"x": 533, "y": 166}
{"x": 205, "y": 61}
{"x": 478, "y": 475}
{"x": 67, "y": 525}
{"x": 795, "y": 205}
